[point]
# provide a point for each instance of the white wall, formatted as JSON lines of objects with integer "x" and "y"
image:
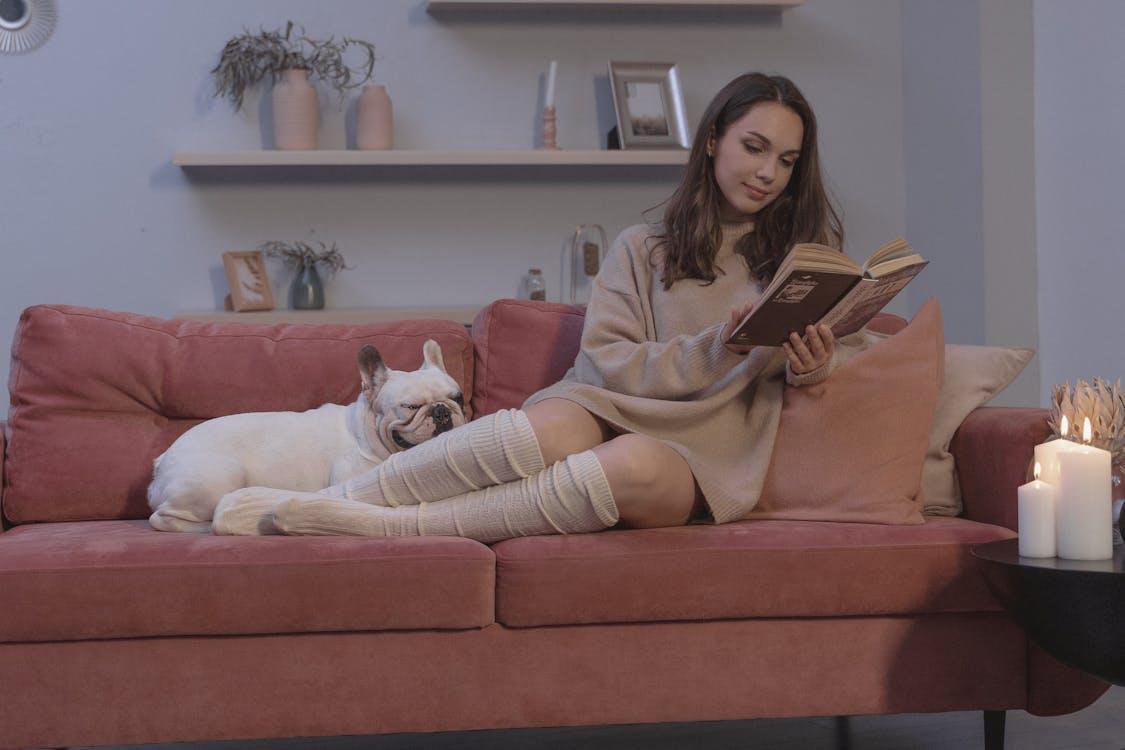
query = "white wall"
{"x": 1007, "y": 90}
{"x": 970, "y": 178}
{"x": 942, "y": 142}
{"x": 1079, "y": 163}
{"x": 94, "y": 213}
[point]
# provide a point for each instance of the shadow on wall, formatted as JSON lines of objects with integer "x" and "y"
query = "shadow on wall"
{"x": 606, "y": 112}
{"x": 219, "y": 286}
{"x": 265, "y": 119}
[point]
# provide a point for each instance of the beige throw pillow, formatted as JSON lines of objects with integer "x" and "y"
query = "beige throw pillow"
{"x": 973, "y": 376}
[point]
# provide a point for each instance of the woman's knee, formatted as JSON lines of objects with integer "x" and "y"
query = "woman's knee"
{"x": 631, "y": 461}
{"x": 563, "y": 428}
{"x": 651, "y": 483}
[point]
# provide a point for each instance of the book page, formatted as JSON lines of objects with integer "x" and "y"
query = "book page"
{"x": 890, "y": 257}
{"x": 812, "y": 257}
{"x": 889, "y": 267}
{"x": 866, "y": 299}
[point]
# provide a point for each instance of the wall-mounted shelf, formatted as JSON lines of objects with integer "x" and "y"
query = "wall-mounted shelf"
{"x": 476, "y": 5}
{"x": 404, "y": 158}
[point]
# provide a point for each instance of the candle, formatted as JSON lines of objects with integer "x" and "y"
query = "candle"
{"x": 1047, "y": 454}
{"x": 1037, "y": 517}
{"x": 550, "y": 98}
{"x": 1084, "y": 511}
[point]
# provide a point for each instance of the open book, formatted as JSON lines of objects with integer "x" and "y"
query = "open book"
{"x": 818, "y": 284}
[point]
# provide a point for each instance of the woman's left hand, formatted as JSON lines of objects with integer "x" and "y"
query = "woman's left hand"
{"x": 808, "y": 357}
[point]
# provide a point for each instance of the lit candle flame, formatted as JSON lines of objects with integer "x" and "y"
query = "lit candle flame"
{"x": 1086, "y": 430}
{"x": 1064, "y": 427}
{"x": 1037, "y": 470}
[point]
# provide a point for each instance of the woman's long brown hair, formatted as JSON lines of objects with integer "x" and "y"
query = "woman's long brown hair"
{"x": 692, "y": 234}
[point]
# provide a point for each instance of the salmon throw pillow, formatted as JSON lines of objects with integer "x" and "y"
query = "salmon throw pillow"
{"x": 851, "y": 448}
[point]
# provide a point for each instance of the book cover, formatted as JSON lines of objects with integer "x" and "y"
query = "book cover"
{"x": 802, "y": 299}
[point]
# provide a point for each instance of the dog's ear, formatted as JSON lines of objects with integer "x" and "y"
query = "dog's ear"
{"x": 372, "y": 370}
{"x": 431, "y": 352}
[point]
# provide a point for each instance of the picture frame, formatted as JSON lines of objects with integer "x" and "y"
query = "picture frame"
{"x": 649, "y": 105}
{"x": 249, "y": 283}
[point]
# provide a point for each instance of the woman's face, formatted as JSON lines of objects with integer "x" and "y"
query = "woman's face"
{"x": 755, "y": 157}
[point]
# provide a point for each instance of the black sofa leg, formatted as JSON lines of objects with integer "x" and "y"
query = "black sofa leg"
{"x": 994, "y": 730}
{"x": 843, "y": 733}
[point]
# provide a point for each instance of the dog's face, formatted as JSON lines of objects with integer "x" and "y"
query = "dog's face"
{"x": 406, "y": 408}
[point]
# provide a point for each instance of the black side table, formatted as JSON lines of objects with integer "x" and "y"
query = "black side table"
{"x": 1073, "y": 609}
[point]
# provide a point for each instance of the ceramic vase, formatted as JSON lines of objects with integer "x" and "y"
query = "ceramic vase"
{"x": 374, "y": 119}
{"x": 307, "y": 291}
{"x": 296, "y": 111}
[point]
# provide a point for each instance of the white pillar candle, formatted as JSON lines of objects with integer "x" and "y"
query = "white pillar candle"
{"x": 1047, "y": 454}
{"x": 549, "y": 100}
{"x": 1084, "y": 511}
{"x": 1037, "y": 517}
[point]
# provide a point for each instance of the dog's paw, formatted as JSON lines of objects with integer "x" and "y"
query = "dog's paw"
{"x": 247, "y": 512}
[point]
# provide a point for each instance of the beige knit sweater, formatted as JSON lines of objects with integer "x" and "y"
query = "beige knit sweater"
{"x": 652, "y": 362}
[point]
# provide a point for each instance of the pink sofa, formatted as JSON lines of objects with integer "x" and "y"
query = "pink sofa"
{"x": 113, "y": 633}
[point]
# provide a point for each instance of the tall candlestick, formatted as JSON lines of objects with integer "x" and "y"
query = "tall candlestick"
{"x": 1084, "y": 512}
{"x": 549, "y": 100}
{"x": 549, "y": 141}
{"x": 1037, "y": 517}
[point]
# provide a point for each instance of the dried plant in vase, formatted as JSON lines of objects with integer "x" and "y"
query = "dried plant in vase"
{"x": 248, "y": 58}
{"x": 307, "y": 291}
{"x": 1103, "y": 404}
{"x": 290, "y": 60}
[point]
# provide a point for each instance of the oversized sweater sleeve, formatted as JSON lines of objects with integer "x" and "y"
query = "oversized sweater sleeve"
{"x": 617, "y": 354}
{"x": 819, "y": 375}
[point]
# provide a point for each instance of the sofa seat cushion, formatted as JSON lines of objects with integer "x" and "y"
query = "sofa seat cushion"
{"x": 122, "y": 579}
{"x": 745, "y": 569}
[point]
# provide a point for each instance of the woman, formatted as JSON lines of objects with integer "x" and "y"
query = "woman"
{"x": 659, "y": 422}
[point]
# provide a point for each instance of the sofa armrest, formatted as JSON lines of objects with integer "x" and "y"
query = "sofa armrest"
{"x": 992, "y": 450}
{"x": 1054, "y": 689}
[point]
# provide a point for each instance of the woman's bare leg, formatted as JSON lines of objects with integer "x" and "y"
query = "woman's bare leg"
{"x": 652, "y": 484}
{"x": 563, "y": 428}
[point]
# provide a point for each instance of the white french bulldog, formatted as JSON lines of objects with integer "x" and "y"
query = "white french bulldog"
{"x": 305, "y": 451}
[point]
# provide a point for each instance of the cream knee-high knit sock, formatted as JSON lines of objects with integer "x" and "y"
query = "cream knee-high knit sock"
{"x": 571, "y": 496}
{"x": 497, "y": 448}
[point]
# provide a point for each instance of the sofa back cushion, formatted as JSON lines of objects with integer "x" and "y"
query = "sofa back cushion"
{"x": 97, "y": 395}
{"x": 524, "y": 346}
{"x": 521, "y": 347}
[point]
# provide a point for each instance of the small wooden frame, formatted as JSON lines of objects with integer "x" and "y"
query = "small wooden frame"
{"x": 248, "y": 280}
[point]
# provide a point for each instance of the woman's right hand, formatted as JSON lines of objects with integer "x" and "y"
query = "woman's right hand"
{"x": 736, "y": 316}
